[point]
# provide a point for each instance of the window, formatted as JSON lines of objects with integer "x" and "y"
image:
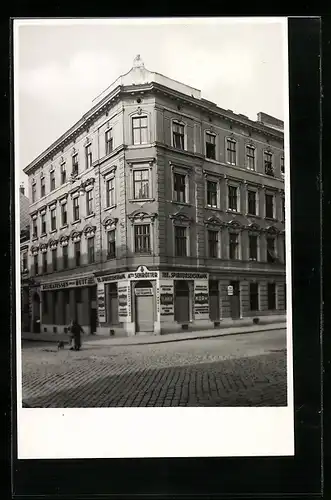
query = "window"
{"x": 233, "y": 246}
{"x": 52, "y": 180}
{"x": 141, "y": 184}
{"x": 65, "y": 257}
{"x": 53, "y": 219}
{"x": 90, "y": 250}
{"x": 251, "y": 199}
{"x": 35, "y": 264}
{"x": 252, "y": 247}
{"x": 250, "y": 157}
{"x": 88, "y": 156}
{"x": 24, "y": 262}
{"x": 180, "y": 241}
{"x": 211, "y": 194}
{"x": 42, "y": 187}
{"x": 54, "y": 259}
{"x": 139, "y": 130}
{"x": 63, "y": 173}
{"x": 77, "y": 253}
{"x": 269, "y": 206}
{"x": 271, "y": 296}
{"x": 213, "y": 244}
{"x": 34, "y": 192}
{"x": 271, "y": 252}
{"x": 43, "y": 224}
{"x": 180, "y": 187}
{"x": 282, "y": 165}
{"x": 268, "y": 168}
{"x": 75, "y": 164}
{"x": 111, "y": 245}
{"x": 75, "y": 202}
{"x": 44, "y": 262}
{"x": 178, "y": 135}
{"x": 110, "y": 192}
{"x": 34, "y": 228}
{"x": 254, "y": 296}
{"x": 210, "y": 146}
{"x": 64, "y": 217}
{"x": 109, "y": 141}
{"x": 233, "y": 198}
{"x": 89, "y": 202}
{"x": 231, "y": 153}
{"x": 142, "y": 243}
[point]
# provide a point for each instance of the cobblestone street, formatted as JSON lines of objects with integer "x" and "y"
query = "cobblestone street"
{"x": 240, "y": 370}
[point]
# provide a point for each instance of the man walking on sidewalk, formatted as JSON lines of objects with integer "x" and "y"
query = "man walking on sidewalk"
{"x": 75, "y": 333}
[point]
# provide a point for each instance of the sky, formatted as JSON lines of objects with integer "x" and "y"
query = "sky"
{"x": 61, "y": 66}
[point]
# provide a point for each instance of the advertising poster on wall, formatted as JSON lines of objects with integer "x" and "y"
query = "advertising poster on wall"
{"x": 166, "y": 299}
{"x": 101, "y": 302}
{"x": 124, "y": 302}
{"x": 201, "y": 300}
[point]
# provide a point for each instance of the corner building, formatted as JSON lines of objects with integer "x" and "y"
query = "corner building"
{"x": 158, "y": 211}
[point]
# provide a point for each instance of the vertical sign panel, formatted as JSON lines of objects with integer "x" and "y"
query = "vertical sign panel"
{"x": 201, "y": 299}
{"x": 124, "y": 301}
{"x": 167, "y": 300}
{"x": 101, "y": 303}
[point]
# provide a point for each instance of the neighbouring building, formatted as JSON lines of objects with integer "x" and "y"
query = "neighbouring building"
{"x": 26, "y": 300}
{"x": 157, "y": 211}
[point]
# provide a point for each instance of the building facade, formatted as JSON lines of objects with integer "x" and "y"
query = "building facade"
{"x": 158, "y": 211}
{"x": 24, "y": 261}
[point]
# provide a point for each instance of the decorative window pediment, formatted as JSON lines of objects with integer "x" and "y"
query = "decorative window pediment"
{"x": 53, "y": 244}
{"x": 42, "y": 210}
{"x": 254, "y": 227}
{"x": 272, "y": 230}
{"x": 34, "y": 250}
{"x": 213, "y": 221}
{"x": 63, "y": 200}
{"x": 181, "y": 219}
{"x": 76, "y": 235}
{"x": 89, "y": 231}
{"x": 43, "y": 247}
{"x": 234, "y": 224}
{"x": 64, "y": 240}
{"x": 142, "y": 216}
{"x": 109, "y": 223}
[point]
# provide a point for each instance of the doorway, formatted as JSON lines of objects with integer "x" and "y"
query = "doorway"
{"x": 214, "y": 301}
{"x": 36, "y": 313}
{"x": 235, "y": 300}
{"x": 182, "y": 301}
{"x": 144, "y": 307}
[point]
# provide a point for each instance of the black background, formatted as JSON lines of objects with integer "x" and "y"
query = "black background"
{"x": 298, "y": 476}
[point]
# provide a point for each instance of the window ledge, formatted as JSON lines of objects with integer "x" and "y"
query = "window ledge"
{"x": 141, "y": 200}
{"x": 64, "y": 226}
{"x": 140, "y": 254}
{"x": 109, "y": 208}
{"x": 34, "y": 238}
{"x": 208, "y": 207}
{"x": 271, "y": 219}
{"x": 75, "y": 222}
{"x": 229, "y": 211}
{"x": 212, "y": 160}
{"x": 53, "y": 231}
{"x": 90, "y": 216}
{"x": 247, "y": 214}
{"x": 184, "y": 203}
{"x": 43, "y": 235}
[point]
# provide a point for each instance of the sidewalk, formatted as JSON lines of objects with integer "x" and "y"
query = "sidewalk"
{"x": 92, "y": 340}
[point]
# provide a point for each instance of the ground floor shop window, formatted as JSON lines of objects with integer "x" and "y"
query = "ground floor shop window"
{"x": 271, "y": 296}
{"x": 254, "y": 296}
{"x": 214, "y": 301}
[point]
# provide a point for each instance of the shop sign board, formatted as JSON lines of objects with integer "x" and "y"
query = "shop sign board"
{"x": 201, "y": 299}
{"x": 101, "y": 303}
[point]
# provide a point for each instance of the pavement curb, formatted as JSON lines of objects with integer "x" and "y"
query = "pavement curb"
{"x": 180, "y": 339}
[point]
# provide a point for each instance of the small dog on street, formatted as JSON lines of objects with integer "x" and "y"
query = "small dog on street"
{"x": 60, "y": 345}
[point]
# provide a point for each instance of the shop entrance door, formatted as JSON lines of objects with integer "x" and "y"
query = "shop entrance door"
{"x": 182, "y": 301}
{"x": 144, "y": 307}
{"x": 214, "y": 301}
{"x": 36, "y": 313}
{"x": 235, "y": 300}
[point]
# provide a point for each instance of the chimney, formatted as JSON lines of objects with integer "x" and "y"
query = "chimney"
{"x": 22, "y": 188}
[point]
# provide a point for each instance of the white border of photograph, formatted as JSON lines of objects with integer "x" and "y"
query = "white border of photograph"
{"x": 155, "y": 432}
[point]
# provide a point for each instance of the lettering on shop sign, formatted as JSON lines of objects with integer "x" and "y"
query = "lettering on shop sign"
{"x": 167, "y": 300}
{"x": 158, "y": 300}
{"x": 142, "y": 273}
{"x": 184, "y": 276}
{"x": 143, "y": 291}
{"x": 111, "y": 277}
{"x": 68, "y": 284}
